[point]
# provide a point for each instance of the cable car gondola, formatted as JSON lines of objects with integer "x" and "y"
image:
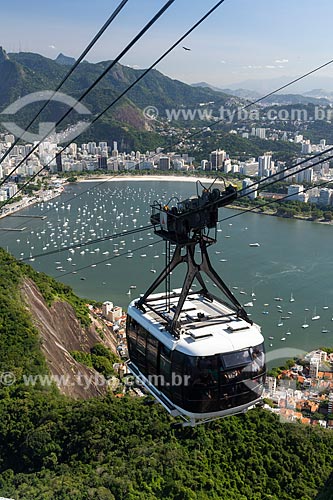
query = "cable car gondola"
{"x": 200, "y": 356}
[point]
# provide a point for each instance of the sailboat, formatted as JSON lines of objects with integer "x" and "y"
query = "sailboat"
{"x": 291, "y": 298}
{"x": 305, "y": 325}
{"x": 315, "y": 315}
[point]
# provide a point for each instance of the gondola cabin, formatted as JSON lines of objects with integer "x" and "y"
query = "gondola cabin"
{"x": 215, "y": 368}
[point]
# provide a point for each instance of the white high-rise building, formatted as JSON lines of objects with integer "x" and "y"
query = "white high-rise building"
{"x": 305, "y": 176}
{"x": 325, "y": 197}
{"x": 261, "y": 133}
{"x": 295, "y": 191}
{"x": 107, "y": 308}
{"x": 249, "y": 189}
{"x": 264, "y": 165}
{"x": 204, "y": 164}
{"x": 306, "y": 147}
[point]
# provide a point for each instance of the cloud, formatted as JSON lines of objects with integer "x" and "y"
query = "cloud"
{"x": 52, "y": 47}
{"x": 281, "y": 61}
{"x": 223, "y": 62}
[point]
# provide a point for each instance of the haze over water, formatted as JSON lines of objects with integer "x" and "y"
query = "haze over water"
{"x": 294, "y": 257}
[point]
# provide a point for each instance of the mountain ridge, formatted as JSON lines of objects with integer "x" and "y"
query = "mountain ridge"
{"x": 25, "y": 72}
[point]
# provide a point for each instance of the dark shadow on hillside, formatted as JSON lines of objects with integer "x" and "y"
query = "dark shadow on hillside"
{"x": 326, "y": 492}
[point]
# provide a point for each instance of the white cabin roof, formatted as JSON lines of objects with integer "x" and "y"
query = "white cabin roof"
{"x": 216, "y": 330}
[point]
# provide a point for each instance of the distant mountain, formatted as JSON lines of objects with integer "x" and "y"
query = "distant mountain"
{"x": 65, "y": 60}
{"x": 319, "y": 94}
{"x": 207, "y": 85}
{"x": 280, "y": 99}
{"x": 23, "y": 73}
{"x": 318, "y": 97}
{"x": 243, "y": 93}
{"x": 263, "y": 86}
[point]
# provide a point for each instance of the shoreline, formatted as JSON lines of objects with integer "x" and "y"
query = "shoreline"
{"x": 153, "y": 178}
{"x": 29, "y": 202}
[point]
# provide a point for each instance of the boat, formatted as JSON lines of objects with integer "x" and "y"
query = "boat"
{"x": 280, "y": 323}
{"x": 283, "y": 339}
{"x": 315, "y": 315}
{"x": 248, "y": 304}
{"x": 271, "y": 338}
{"x": 291, "y": 298}
{"x": 254, "y": 244}
{"x": 305, "y": 325}
{"x": 324, "y": 330}
{"x": 278, "y": 299}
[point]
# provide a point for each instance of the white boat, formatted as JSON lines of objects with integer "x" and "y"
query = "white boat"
{"x": 305, "y": 325}
{"x": 291, "y": 298}
{"x": 283, "y": 339}
{"x": 324, "y": 330}
{"x": 254, "y": 244}
{"x": 248, "y": 304}
{"x": 315, "y": 315}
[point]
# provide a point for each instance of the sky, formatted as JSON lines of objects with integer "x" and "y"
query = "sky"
{"x": 243, "y": 40}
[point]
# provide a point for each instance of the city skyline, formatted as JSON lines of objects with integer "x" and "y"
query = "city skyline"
{"x": 241, "y": 41}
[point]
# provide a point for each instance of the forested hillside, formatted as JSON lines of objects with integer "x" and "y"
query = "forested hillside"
{"x": 53, "y": 447}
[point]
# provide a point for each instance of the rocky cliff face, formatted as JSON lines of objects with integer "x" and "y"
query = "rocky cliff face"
{"x": 61, "y": 333}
